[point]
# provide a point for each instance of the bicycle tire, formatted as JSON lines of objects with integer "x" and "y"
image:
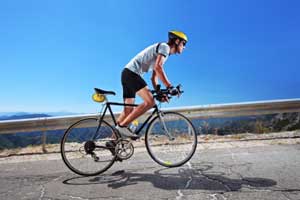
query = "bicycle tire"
{"x": 174, "y": 150}
{"x": 79, "y": 140}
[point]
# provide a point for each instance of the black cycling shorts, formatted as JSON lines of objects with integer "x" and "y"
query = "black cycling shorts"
{"x": 131, "y": 83}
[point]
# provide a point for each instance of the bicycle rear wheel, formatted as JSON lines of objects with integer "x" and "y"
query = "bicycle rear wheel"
{"x": 84, "y": 147}
{"x": 171, "y": 139}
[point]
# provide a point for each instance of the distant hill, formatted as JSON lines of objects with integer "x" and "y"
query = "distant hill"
{"x": 22, "y": 116}
{"x": 249, "y": 124}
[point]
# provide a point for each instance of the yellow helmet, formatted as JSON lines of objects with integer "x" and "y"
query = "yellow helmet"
{"x": 177, "y": 34}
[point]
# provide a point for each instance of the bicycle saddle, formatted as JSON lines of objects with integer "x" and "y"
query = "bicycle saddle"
{"x": 99, "y": 91}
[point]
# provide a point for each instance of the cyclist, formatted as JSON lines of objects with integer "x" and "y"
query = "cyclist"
{"x": 151, "y": 58}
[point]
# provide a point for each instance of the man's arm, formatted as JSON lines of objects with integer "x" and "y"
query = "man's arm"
{"x": 154, "y": 80}
{"x": 159, "y": 72}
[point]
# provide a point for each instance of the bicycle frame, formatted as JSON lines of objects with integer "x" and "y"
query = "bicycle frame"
{"x": 159, "y": 125}
{"x": 108, "y": 107}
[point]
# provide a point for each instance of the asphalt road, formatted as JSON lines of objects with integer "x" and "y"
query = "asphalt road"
{"x": 237, "y": 171}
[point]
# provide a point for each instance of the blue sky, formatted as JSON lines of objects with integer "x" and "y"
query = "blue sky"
{"x": 53, "y": 53}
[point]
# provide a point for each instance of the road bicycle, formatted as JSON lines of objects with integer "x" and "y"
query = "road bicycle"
{"x": 91, "y": 145}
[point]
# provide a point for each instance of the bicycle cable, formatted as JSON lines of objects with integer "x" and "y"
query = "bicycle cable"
{"x": 159, "y": 105}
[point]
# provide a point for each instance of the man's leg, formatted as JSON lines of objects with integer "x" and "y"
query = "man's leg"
{"x": 127, "y": 109}
{"x": 148, "y": 103}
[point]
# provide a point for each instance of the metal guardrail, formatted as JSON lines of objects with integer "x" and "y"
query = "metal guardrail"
{"x": 207, "y": 111}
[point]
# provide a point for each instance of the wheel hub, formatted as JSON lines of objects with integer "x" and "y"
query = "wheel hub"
{"x": 89, "y": 147}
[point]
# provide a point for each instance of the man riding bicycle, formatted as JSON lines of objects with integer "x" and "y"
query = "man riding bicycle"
{"x": 151, "y": 58}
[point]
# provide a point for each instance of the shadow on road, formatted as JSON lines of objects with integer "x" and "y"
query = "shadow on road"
{"x": 184, "y": 178}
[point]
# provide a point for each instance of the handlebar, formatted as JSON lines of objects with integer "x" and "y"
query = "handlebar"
{"x": 159, "y": 93}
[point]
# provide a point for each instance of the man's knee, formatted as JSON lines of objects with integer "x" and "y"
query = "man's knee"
{"x": 149, "y": 103}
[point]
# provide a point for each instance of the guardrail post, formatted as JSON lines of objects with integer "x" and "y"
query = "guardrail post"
{"x": 44, "y": 137}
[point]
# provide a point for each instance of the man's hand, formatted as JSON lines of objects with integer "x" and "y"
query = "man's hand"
{"x": 165, "y": 98}
{"x": 173, "y": 91}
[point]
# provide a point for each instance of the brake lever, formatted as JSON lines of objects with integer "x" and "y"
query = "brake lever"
{"x": 179, "y": 90}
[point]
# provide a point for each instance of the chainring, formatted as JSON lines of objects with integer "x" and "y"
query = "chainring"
{"x": 124, "y": 149}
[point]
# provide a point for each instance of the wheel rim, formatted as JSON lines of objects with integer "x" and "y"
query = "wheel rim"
{"x": 84, "y": 152}
{"x": 175, "y": 149}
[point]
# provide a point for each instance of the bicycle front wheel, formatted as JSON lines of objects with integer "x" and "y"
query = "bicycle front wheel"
{"x": 171, "y": 139}
{"x": 84, "y": 147}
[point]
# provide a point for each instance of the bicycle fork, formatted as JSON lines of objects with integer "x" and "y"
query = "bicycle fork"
{"x": 162, "y": 121}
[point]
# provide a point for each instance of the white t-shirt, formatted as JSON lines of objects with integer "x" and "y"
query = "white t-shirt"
{"x": 145, "y": 60}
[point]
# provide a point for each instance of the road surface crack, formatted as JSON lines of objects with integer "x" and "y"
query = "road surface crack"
{"x": 42, "y": 192}
{"x": 180, "y": 195}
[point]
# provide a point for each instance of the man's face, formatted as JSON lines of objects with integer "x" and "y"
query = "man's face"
{"x": 181, "y": 46}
